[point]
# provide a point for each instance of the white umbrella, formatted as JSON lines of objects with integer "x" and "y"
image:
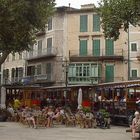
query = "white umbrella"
{"x": 3, "y": 97}
{"x": 80, "y": 98}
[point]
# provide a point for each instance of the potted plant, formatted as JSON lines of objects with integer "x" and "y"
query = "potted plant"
{"x": 4, "y": 114}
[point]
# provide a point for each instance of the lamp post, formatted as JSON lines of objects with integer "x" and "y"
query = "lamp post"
{"x": 66, "y": 80}
{"x": 128, "y": 53}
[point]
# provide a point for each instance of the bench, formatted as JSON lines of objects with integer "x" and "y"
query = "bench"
{"x": 130, "y": 130}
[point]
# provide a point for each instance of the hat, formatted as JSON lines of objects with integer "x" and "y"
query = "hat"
{"x": 136, "y": 113}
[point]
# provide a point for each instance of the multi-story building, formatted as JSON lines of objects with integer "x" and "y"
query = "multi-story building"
{"x": 134, "y": 52}
{"x": 95, "y": 59}
{"x": 74, "y": 42}
{"x": 43, "y": 63}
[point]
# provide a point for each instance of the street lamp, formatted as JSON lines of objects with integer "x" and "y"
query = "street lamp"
{"x": 128, "y": 53}
{"x": 66, "y": 80}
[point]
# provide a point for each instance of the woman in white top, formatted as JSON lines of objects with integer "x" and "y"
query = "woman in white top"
{"x": 135, "y": 124}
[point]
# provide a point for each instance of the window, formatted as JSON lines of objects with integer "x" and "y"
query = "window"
{"x": 39, "y": 47}
{"x": 49, "y": 24}
{"x": 134, "y": 73}
{"x": 38, "y": 72}
{"x": 109, "y": 73}
{"x": 96, "y": 47}
{"x": 49, "y": 45}
{"x": 109, "y": 48}
{"x": 20, "y": 72}
{"x": 83, "y": 48}
{"x": 133, "y": 47}
{"x": 96, "y": 23}
{"x": 30, "y": 70}
{"x": 20, "y": 56}
{"x": 6, "y": 73}
{"x": 83, "y": 23}
{"x": 82, "y": 73}
{"x": 13, "y": 57}
{"x": 49, "y": 70}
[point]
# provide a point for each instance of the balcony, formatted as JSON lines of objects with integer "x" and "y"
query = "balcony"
{"x": 38, "y": 79}
{"x": 93, "y": 80}
{"x": 39, "y": 54}
{"x": 111, "y": 79}
{"x": 98, "y": 55}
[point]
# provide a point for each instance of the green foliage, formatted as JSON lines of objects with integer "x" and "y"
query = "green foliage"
{"x": 20, "y": 20}
{"x": 118, "y": 14}
{"x": 86, "y": 109}
{"x": 104, "y": 113}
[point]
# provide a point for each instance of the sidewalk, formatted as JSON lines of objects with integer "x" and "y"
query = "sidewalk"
{"x": 16, "y": 131}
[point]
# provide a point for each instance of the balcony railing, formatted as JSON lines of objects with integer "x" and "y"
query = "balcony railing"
{"x": 97, "y": 54}
{"x": 93, "y": 80}
{"x": 29, "y": 79}
{"x": 38, "y": 79}
{"x": 46, "y": 52}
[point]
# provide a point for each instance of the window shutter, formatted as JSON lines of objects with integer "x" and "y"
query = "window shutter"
{"x": 83, "y": 23}
{"x": 49, "y": 70}
{"x": 96, "y": 23}
{"x": 109, "y": 47}
{"x": 49, "y": 45}
{"x": 49, "y": 24}
{"x": 134, "y": 73}
{"x": 40, "y": 47}
{"x": 83, "y": 48}
{"x": 109, "y": 73}
{"x": 96, "y": 47}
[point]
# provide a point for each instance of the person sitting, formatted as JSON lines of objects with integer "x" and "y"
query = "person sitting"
{"x": 135, "y": 124}
{"x": 29, "y": 117}
{"x": 12, "y": 113}
{"x": 57, "y": 114}
{"x": 50, "y": 115}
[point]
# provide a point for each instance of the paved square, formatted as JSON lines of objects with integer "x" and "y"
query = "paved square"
{"x": 17, "y": 131}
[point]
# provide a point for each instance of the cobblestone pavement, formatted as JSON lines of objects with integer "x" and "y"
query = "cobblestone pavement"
{"x": 16, "y": 131}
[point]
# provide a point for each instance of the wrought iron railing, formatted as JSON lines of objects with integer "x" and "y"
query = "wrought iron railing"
{"x": 41, "y": 53}
{"x": 96, "y": 53}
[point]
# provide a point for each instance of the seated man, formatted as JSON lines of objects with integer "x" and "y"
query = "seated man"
{"x": 135, "y": 124}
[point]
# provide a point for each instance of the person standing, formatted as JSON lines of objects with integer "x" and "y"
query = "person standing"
{"x": 135, "y": 124}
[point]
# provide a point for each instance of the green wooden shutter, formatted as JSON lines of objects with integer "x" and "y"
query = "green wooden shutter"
{"x": 49, "y": 45}
{"x": 83, "y": 48}
{"x": 96, "y": 23}
{"x": 83, "y": 23}
{"x": 109, "y": 47}
{"x": 134, "y": 73}
{"x": 96, "y": 47}
{"x": 109, "y": 73}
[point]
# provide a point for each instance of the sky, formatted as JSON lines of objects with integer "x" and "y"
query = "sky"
{"x": 75, "y": 3}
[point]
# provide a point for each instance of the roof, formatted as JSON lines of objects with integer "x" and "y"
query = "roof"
{"x": 69, "y": 86}
{"x": 127, "y": 84}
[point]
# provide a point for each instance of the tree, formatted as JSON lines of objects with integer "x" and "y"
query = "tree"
{"x": 118, "y": 14}
{"x": 19, "y": 22}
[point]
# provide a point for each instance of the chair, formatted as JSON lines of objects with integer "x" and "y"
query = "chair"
{"x": 70, "y": 119}
{"x": 41, "y": 121}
